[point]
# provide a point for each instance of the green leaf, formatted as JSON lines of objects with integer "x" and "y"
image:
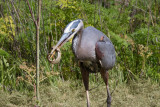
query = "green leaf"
{"x": 6, "y": 64}
{"x": 4, "y": 53}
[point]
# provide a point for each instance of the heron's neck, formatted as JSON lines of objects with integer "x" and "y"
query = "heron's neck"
{"x": 76, "y": 43}
{"x": 80, "y": 36}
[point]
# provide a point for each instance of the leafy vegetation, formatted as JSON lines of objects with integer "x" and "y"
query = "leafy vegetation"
{"x": 133, "y": 27}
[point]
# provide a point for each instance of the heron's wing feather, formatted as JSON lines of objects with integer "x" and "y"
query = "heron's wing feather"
{"x": 105, "y": 53}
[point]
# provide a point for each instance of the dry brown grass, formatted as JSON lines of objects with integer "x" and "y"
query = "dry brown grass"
{"x": 143, "y": 93}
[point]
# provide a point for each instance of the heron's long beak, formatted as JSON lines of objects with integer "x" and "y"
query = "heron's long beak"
{"x": 65, "y": 37}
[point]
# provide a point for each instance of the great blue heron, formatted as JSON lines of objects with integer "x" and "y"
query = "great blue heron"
{"x": 92, "y": 48}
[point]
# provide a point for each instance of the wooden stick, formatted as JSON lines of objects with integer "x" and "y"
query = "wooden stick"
{"x": 37, "y": 54}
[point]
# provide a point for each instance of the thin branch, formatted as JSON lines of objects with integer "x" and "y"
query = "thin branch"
{"x": 32, "y": 13}
{"x": 16, "y": 13}
{"x": 37, "y": 50}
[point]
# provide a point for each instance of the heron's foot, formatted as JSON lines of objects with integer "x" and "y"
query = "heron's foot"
{"x": 109, "y": 101}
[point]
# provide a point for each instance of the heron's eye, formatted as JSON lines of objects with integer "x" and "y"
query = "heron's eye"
{"x": 73, "y": 30}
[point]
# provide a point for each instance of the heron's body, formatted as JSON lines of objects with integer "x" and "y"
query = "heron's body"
{"x": 93, "y": 49}
{"x": 84, "y": 48}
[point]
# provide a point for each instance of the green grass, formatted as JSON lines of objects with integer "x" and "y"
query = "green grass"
{"x": 142, "y": 93}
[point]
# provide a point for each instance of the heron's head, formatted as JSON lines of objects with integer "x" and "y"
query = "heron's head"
{"x": 71, "y": 29}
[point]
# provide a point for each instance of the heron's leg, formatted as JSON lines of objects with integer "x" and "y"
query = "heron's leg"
{"x": 105, "y": 76}
{"x": 85, "y": 77}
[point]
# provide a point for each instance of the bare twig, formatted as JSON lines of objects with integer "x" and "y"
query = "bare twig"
{"x": 37, "y": 25}
{"x": 31, "y": 13}
{"x": 16, "y": 12}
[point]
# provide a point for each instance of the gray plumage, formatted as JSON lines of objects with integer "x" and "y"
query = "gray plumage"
{"x": 94, "y": 51}
{"x": 84, "y": 48}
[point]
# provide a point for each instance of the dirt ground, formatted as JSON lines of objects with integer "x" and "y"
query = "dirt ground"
{"x": 142, "y": 93}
